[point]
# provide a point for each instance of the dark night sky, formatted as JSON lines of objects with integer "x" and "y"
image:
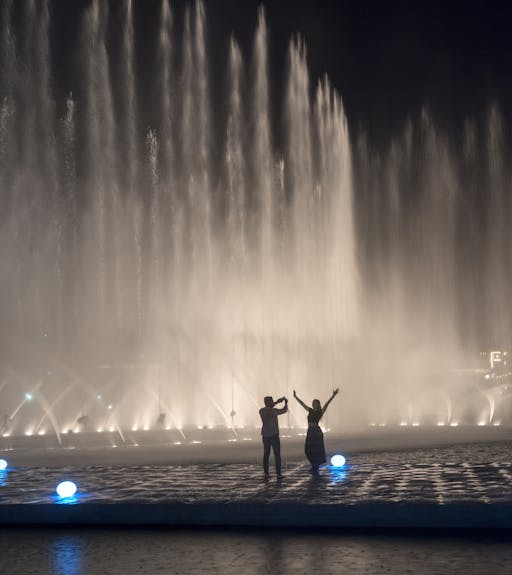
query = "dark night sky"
{"x": 388, "y": 59}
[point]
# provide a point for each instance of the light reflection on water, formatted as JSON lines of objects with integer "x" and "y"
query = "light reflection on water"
{"x": 67, "y": 551}
{"x": 338, "y": 475}
{"x": 72, "y": 500}
{"x": 66, "y": 500}
{"x": 121, "y": 552}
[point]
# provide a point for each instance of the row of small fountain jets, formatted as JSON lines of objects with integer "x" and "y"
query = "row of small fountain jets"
{"x": 85, "y": 426}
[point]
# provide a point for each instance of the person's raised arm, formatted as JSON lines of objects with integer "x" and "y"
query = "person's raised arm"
{"x": 334, "y": 394}
{"x": 307, "y": 408}
{"x": 284, "y": 409}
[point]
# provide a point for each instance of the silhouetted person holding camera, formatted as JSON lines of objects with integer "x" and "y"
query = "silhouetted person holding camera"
{"x": 315, "y": 448}
{"x": 270, "y": 432}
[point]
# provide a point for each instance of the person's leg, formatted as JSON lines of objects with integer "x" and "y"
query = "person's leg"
{"x": 276, "y": 446}
{"x": 266, "y": 453}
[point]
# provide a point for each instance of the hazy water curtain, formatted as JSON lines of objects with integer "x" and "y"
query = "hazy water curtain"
{"x": 135, "y": 265}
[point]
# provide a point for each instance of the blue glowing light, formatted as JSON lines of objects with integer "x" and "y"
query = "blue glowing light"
{"x": 28, "y": 396}
{"x": 66, "y": 489}
{"x": 338, "y": 474}
{"x": 338, "y": 460}
{"x": 3, "y": 464}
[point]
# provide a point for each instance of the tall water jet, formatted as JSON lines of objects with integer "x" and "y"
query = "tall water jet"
{"x": 46, "y": 115}
{"x": 7, "y": 84}
{"x": 235, "y": 163}
{"x": 263, "y": 161}
{"x": 127, "y": 123}
{"x": 71, "y": 208}
{"x": 333, "y": 194}
{"x": 204, "y": 142}
{"x": 299, "y": 159}
{"x": 235, "y": 240}
{"x": 195, "y": 154}
{"x": 155, "y": 293}
{"x": 498, "y": 210}
{"x": 100, "y": 125}
{"x": 126, "y": 238}
{"x": 167, "y": 168}
{"x": 6, "y": 48}
{"x": 164, "y": 65}
{"x": 437, "y": 234}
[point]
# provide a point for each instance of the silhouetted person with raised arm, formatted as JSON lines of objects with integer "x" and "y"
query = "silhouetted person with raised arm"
{"x": 315, "y": 448}
{"x": 270, "y": 432}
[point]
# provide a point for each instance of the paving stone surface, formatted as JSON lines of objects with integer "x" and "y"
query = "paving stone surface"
{"x": 449, "y": 475}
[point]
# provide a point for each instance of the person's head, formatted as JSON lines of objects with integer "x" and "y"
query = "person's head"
{"x": 317, "y": 404}
{"x": 269, "y": 401}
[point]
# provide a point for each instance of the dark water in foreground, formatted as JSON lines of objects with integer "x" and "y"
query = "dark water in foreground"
{"x": 112, "y": 552}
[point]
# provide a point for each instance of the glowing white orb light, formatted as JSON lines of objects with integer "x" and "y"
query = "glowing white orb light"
{"x": 338, "y": 460}
{"x": 3, "y": 464}
{"x": 66, "y": 489}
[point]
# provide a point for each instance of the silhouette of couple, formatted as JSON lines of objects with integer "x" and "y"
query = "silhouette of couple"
{"x": 314, "y": 448}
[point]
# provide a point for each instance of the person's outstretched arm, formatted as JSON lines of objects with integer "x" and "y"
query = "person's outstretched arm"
{"x": 307, "y": 408}
{"x": 334, "y": 394}
{"x": 284, "y": 409}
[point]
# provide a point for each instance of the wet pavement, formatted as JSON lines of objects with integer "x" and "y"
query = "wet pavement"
{"x": 441, "y": 476}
